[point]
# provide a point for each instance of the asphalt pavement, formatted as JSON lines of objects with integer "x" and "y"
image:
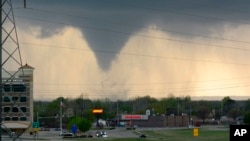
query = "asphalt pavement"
{"x": 54, "y": 135}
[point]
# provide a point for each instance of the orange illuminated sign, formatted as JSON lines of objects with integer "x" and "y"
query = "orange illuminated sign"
{"x": 97, "y": 111}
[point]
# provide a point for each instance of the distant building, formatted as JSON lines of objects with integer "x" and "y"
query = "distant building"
{"x": 17, "y": 99}
{"x": 137, "y": 120}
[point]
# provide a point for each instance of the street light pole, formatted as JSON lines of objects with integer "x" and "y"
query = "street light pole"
{"x": 37, "y": 117}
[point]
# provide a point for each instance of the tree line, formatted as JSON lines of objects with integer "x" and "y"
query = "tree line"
{"x": 47, "y": 112}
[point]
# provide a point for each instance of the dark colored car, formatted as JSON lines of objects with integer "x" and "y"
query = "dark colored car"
{"x": 66, "y": 134}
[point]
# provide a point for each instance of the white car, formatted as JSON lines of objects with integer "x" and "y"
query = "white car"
{"x": 101, "y": 134}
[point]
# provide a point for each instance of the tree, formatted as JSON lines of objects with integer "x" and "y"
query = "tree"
{"x": 203, "y": 112}
{"x": 227, "y": 104}
{"x": 217, "y": 115}
{"x": 140, "y": 104}
{"x": 169, "y": 104}
{"x": 81, "y": 123}
{"x": 247, "y": 107}
{"x": 78, "y": 106}
{"x": 246, "y": 118}
{"x": 234, "y": 113}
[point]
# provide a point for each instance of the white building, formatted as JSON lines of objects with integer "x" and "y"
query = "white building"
{"x": 17, "y": 100}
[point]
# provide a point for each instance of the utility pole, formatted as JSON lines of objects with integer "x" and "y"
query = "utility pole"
{"x": 117, "y": 112}
{"x": 61, "y": 106}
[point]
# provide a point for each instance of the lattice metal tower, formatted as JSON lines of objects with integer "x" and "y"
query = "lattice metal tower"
{"x": 10, "y": 57}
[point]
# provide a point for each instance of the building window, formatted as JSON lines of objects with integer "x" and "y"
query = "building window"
{"x": 7, "y": 118}
{"x": 6, "y": 109}
{"x": 23, "y": 99}
{"x": 14, "y": 118}
{"x": 6, "y": 99}
{"x": 15, "y": 98}
{"x": 23, "y": 118}
{"x": 6, "y": 88}
{"x": 14, "y": 88}
{"x": 18, "y": 88}
{"x": 14, "y": 109}
{"x": 24, "y": 109}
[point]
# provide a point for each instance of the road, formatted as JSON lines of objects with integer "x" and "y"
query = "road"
{"x": 54, "y": 135}
{"x": 120, "y": 132}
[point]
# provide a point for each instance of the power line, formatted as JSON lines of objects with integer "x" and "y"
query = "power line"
{"x": 129, "y": 25}
{"x": 217, "y": 7}
{"x": 120, "y": 92}
{"x": 184, "y": 14}
{"x": 143, "y": 91}
{"x": 142, "y": 55}
{"x": 149, "y": 83}
{"x": 151, "y": 37}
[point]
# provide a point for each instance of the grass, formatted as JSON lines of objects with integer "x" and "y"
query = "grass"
{"x": 187, "y": 135}
{"x": 205, "y": 134}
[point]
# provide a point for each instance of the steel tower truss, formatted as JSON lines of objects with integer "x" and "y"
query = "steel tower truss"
{"x": 10, "y": 58}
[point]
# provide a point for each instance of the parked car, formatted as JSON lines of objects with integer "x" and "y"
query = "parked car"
{"x": 57, "y": 129}
{"x": 66, "y": 134}
{"x": 101, "y": 134}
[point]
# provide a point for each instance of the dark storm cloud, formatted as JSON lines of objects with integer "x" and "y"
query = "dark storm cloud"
{"x": 108, "y": 24}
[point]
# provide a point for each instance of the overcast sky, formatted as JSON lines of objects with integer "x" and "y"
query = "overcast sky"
{"x": 120, "y": 49}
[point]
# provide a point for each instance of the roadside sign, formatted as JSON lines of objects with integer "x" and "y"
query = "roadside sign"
{"x": 196, "y": 132}
{"x": 97, "y": 111}
{"x": 36, "y": 125}
{"x": 74, "y": 129}
{"x": 36, "y": 129}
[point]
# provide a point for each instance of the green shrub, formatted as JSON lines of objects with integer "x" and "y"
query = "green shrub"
{"x": 247, "y": 118}
{"x": 82, "y": 124}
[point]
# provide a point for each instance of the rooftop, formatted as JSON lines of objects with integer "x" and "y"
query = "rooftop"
{"x": 26, "y": 66}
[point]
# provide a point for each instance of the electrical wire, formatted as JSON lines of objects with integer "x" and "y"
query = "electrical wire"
{"x": 152, "y": 37}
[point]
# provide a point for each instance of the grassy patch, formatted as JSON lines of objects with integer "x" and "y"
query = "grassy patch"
{"x": 187, "y": 135}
